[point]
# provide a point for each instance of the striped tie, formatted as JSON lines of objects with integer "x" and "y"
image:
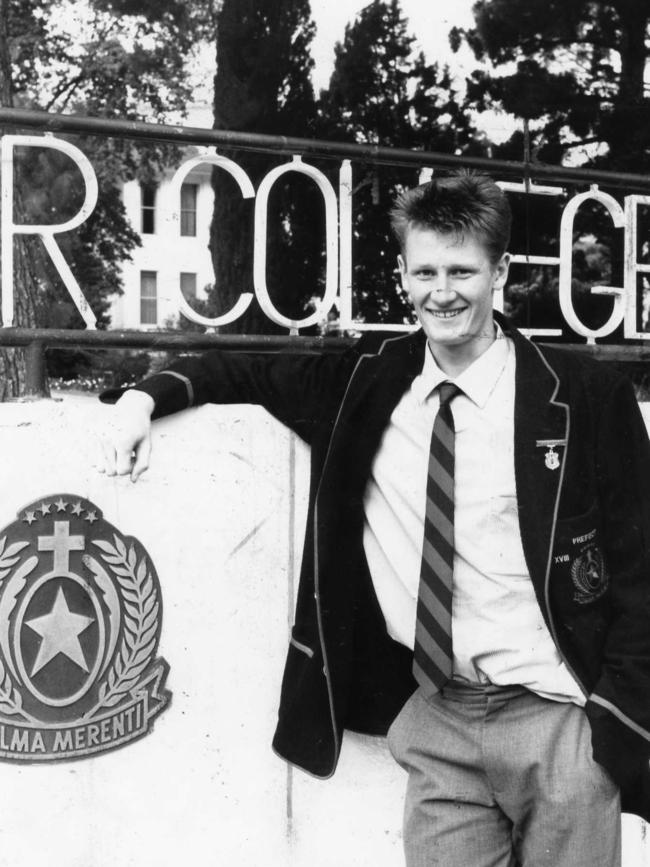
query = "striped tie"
{"x": 433, "y": 655}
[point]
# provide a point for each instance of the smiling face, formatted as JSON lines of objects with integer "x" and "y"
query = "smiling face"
{"x": 450, "y": 281}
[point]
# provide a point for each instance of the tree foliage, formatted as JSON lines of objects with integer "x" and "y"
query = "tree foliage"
{"x": 115, "y": 59}
{"x": 575, "y": 67}
{"x": 574, "y": 71}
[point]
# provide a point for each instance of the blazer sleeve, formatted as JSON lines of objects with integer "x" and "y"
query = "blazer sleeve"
{"x": 296, "y": 389}
{"x": 619, "y": 707}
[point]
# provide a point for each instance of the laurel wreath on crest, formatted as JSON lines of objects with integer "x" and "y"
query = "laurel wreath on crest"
{"x": 141, "y": 608}
{"x": 11, "y": 701}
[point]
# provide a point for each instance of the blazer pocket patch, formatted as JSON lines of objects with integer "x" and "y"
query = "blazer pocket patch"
{"x": 579, "y": 550}
{"x": 589, "y": 574}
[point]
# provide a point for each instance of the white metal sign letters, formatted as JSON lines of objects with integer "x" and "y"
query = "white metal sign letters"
{"x": 338, "y": 244}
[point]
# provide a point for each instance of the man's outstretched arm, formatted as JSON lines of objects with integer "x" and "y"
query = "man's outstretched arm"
{"x": 298, "y": 390}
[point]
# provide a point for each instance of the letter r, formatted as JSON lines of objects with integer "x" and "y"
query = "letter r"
{"x": 46, "y": 232}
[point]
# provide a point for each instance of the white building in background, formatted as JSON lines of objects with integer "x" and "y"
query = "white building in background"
{"x": 174, "y": 257}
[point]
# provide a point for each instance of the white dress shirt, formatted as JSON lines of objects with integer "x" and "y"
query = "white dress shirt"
{"x": 498, "y": 632}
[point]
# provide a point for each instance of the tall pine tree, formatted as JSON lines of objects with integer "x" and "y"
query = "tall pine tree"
{"x": 382, "y": 92}
{"x": 263, "y": 85}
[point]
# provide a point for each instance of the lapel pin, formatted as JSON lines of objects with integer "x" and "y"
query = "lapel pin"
{"x": 551, "y": 457}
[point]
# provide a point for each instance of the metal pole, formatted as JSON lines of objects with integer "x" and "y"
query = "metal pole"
{"x": 171, "y": 340}
{"x": 36, "y": 386}
{"x": 315, "y": 147}
{"x": 159, "y": 341}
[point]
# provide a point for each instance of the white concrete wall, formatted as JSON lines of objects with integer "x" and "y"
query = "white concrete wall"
{"x": 217, "y": 515}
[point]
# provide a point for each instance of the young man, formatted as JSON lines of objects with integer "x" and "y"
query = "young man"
{"x": 476, "y": 571}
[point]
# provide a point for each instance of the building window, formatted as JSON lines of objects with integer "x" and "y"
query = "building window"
{"x": 148, "y": 298}
{"x": 188, "y": 286}
{"x": 148, "y": 208}
{"x": 188, "y": 209}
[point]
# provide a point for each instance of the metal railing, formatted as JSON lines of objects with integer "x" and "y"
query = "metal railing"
{"x": 183, "y": 135}
{"x": 37, "y": 340}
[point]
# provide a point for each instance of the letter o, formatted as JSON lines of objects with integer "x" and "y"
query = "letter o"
{"x": 248, "y": 192}
{"x": 331, "y": 242}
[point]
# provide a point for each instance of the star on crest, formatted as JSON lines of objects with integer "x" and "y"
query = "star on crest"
{"x": 30, "y": 517}
{"x": 76, "y": 509}
{"x": 60, "y": 631}
{"x": 91, "y": 517}
{"x": 44, "y": 508}
{"x": 60, "y": 505}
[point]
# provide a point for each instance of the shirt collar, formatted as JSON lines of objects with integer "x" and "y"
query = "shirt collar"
{"x": 477, "y": 382}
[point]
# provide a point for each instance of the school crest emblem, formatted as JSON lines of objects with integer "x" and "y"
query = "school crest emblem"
{"x": 589, "y": 574}
{"x": 80, "y": 622}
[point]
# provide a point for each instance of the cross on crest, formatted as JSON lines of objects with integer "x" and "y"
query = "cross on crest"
{"x": 61, "y": 543}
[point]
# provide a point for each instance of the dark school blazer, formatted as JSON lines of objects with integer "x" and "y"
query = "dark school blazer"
{"x": 582, "y": 468}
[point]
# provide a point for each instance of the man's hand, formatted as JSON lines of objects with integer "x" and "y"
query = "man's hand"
{"x": 126, "y": 443}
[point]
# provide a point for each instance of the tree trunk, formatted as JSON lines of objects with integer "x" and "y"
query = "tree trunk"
{"x": 6, "y": 95}
{"x": 240, "y": 103}
{"x": 262, "y": 84}
{"x": 630, "y": 123}
{"x": 12, "y": 361}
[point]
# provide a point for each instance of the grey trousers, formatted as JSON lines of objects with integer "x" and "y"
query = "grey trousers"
{"x": 499, "y": 777}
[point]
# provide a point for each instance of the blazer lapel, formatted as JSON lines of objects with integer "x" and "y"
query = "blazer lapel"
{"x": 376, "y": 386}
{"x": 541, "y": 442}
